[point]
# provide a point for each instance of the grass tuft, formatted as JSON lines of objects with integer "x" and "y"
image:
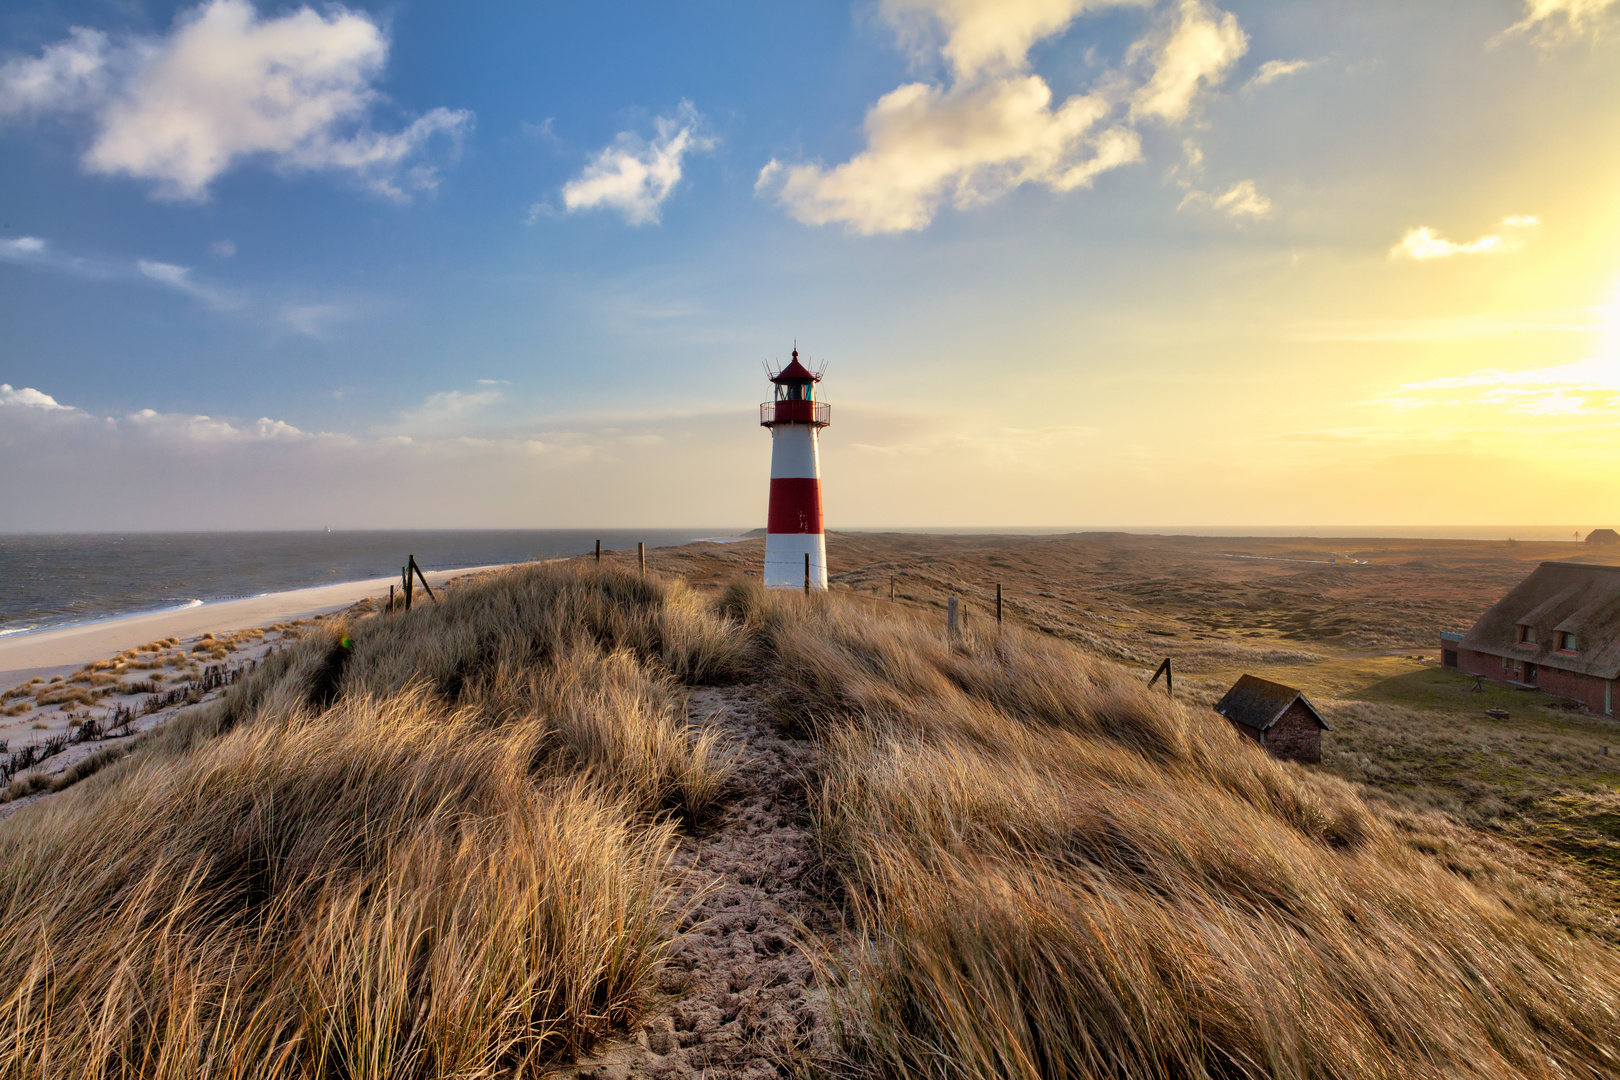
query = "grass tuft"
{"x": 1058, "y": 873}
{"x": 441, "y": 851}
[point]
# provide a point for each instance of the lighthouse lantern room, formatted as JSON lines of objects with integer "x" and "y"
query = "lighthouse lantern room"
{"x": 793, "y": 527}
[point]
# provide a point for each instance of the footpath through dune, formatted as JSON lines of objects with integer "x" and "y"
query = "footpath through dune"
{"x": 743, "y": 997}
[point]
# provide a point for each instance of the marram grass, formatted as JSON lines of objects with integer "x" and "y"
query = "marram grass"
{"x": 444, "y": 852}
{"x": 440, "y": 852}
{"x": 1058, "y": 873}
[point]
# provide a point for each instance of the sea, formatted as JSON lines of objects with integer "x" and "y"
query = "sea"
{"x": 51, "y": 580}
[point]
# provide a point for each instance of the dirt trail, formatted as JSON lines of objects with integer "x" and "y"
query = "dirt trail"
{"x": 744, "y": 1000}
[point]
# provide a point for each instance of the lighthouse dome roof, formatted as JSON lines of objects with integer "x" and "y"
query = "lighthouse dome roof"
{"x": 795, "y": 372}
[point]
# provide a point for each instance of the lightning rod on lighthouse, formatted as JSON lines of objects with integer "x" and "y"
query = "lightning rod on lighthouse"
{"x": 793, "y": 527}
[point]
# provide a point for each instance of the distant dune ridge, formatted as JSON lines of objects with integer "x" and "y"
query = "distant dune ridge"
{"x": 445, "y": 843}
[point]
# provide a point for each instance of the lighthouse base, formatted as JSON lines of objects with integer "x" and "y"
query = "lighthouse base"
{"x": 784, "y": 560}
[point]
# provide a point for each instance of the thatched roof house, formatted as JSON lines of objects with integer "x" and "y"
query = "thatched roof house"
{"x": 1557, "y": 630}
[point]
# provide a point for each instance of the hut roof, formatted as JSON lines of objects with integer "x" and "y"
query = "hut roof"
{"x": 1603, "y": 536}
{"x": 1259, "y": 703}
{"x": 1578, "y": 598}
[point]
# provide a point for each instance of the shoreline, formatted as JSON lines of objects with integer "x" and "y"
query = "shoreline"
{"x": 59, "y": 650}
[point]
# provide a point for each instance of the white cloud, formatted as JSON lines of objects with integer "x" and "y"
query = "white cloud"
{"x": 995, "y": 126}
{"x": 73, "y": 74}
{"x": 313, "y": 319}
{"x": 1272, "y": 70}
{"x": 226, "y": 85}
{"x": 1197, "y": 51}
{"x": 1586, "y": 386}
{"x": 179, "y": 279}
{"x": 269, "y": 473}
{"x": 26, "y": 398}
{"x": 968, "y": 145}
{"x": 1241, "y": 200}
{"x": 1554, "y": 19}
{"x": 1424, "y": 243}
{"x": 634, "y": 176}
{"x": 223, "y": 248}
{"x": 34, "y": 251}
{"x": 22, "y": 249}
{"x": 206, "y": 429}
{"x": 446, "y": 412}
{"x": 985, "y": 36}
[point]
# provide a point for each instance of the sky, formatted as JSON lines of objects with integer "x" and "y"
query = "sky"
{"x": 1067, "y": 262}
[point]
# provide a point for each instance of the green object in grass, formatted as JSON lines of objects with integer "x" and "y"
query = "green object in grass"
{"x": 346, "y": 642}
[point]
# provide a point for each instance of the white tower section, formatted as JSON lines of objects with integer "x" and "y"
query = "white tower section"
{"x": 795, "y": 510}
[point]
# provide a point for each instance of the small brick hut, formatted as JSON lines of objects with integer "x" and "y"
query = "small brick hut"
{"x": 1277, "y": 717}
{"x": 1558, "y": 630}
{"x": 1603, "y": 538}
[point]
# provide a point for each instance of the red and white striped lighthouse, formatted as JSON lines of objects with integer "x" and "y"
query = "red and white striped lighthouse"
{"x": 793, "y": 527}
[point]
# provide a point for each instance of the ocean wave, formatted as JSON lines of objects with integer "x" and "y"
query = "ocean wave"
{"x": 18, "y": 629}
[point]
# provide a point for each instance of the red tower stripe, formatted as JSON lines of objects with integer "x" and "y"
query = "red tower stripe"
{"x": 795, "y": 505}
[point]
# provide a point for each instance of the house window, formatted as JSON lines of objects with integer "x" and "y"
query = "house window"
{"x": 1568, "y": 641}
{"x": 1527, "y": 636}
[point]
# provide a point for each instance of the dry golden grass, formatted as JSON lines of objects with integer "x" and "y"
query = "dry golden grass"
{"x": 1059, "y": 874}
{"x": 427, "y": 845}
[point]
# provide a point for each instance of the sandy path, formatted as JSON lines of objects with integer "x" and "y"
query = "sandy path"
{"x": 745, "y": 1001}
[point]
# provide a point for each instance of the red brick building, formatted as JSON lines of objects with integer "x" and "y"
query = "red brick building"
{"x": 1276, "y": 716}
{"x": 1558, "y": 631}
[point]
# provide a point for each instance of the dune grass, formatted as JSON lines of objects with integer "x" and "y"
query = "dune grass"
{"x": 437, "y": 843}
{"x": 1057, "y": 873}
{"x": 423, "y": 845}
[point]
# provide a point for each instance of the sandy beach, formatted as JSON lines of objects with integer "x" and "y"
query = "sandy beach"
{"x": 61, "y": 650}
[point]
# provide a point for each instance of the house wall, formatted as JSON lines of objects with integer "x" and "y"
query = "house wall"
{"x": 1584, "y": 688}
{"x": 1295, "y": 736}
{"x": 1247, "y": 732}
{"x": 1569, "y": 684}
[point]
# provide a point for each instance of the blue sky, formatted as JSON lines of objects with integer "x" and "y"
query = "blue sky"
{"x": 1070, "y": 263}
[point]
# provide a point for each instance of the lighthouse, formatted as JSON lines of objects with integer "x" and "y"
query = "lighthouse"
{"x": 793, "y": 527}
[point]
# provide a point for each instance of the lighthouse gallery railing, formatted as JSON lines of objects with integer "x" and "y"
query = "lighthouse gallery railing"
{"x": 818, "y": 413}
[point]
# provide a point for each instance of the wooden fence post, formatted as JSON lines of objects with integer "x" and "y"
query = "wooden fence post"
{"x": 423, "y": 578}
{"x": 807, "y": 573}
{"x": 951, "y": 612}
{"x": 1164, "y": 669}
{"x": 405, "y": 585}
{"x": 891, "y": 586}
{"x": 998, "y": 603}
{"x": 641, "y": 556}
{"x": 390, "y": 598}
{"x": 599, "y": 551}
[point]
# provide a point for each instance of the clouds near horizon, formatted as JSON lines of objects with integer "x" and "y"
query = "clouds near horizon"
{"x": 226, "y": 86}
